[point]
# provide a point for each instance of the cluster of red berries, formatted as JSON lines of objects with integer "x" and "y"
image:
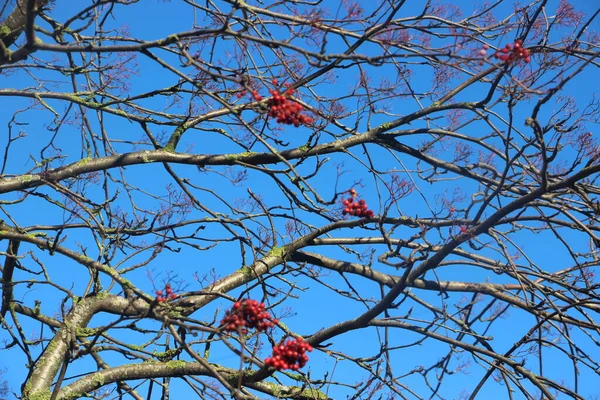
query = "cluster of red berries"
{"x": 281, "y": 106}
{"x": 510, "y": 53}
{"x": 285, "y": 110}
{"x": 250, "y": 314}
{"x": 247, "y": 314}
{"x": 291, "y": 355}
{"x": 357, "y": 208}
{"x": 255, "y": 95}
{"x": 167, "y": 294}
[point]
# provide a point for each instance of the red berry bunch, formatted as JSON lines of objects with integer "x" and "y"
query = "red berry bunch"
{"x": 167, "y": 294}
{"x": 255, "y": 95}
{"x": 357, "y": 208}
{"x": 510, "y": 53}
{"x": 484, "y": 49}
{"x": 291, "y": 355}
{"x": 248, "y": 314}
{"x": 285, "y": 110}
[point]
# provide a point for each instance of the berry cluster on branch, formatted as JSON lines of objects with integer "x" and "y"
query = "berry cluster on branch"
{"x": 250, "y": 314}
{"x": 285, "y": 110}
{"x": 281, "y": 106}
{"x": 291, "y": 355}
{"x": 515, "y": 52}
{"x": 247, "y": 314}
{"x": 355, "y": 207}
{"x": 167, "y": 294}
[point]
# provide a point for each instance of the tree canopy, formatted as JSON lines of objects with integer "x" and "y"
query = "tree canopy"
{"x": 299, "y": 199}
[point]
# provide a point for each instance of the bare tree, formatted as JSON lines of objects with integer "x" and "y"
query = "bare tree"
{"x": 296, "y": 199}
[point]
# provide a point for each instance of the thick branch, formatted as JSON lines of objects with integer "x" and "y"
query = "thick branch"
{"x": 176, "y": 368}
{"x": 497, "y": 291}
{"x": 18, "y": 20}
